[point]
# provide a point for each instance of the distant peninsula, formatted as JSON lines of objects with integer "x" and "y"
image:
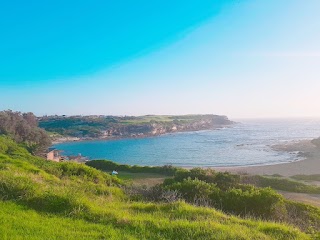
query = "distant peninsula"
{"x": 79, "y": 128}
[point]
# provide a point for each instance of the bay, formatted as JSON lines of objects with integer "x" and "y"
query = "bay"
{"x": 246, "y": 143}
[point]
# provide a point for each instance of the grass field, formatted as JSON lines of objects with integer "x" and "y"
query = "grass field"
{"x": 138, "y": 221}
{"x": 313, "y": 177}
{"x": 142, "y": 179}
{"x": 147, "y": 119}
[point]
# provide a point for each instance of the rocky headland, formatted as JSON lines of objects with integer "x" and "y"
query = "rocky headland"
{"x": 79, "y": 128}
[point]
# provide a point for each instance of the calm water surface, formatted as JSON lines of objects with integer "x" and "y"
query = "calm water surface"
{"x": 246, "y": 143}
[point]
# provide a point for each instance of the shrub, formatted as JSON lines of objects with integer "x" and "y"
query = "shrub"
{"x": 222, "y": 180}
{"x": 223, "y": 191}
{"x": 304, "y": 216}
{"x": 262, "y": 203}
{"x": 193, "y": 189}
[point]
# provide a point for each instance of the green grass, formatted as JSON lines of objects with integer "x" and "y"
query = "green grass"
{"x": 313, "y": 177}
{"x": 46, "y": 200}
{"x": 137, "y": 221}
{"x": 147, "y": 119}
{"x": 18, "y": 222}
{"x": 138, "y": 176}
{"x": 284, "y": 184}
{"x": 142, "y": 179}
{"x": 109, "y": 166}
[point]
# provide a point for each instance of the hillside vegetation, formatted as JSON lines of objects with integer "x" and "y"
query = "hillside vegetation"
{"x": 241, "y": 195}
{"x": 23, "y": 128}
{"x": 88, "y": 127}
{"x": 47, "y": 200}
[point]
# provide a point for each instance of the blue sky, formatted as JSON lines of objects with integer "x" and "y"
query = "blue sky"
{"x": 250, "y": 58}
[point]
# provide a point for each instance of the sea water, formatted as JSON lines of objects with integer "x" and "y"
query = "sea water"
{"x": 245, "y": 143}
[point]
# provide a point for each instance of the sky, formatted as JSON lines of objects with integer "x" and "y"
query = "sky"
{"x": 243, "y": 59}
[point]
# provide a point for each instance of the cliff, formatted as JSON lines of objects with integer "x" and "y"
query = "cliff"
{"x": 104, "y": 127}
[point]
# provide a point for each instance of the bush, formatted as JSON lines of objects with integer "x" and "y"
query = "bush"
{"x": 222, "y": 180}
{"x": 304, "y": 216}
{"x": 263, "y": 203}
{"x": 223, "y": 191}
{"x": 193, "y": 189}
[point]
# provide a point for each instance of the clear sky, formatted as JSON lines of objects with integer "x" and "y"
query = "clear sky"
{"x": 241, "y": 58}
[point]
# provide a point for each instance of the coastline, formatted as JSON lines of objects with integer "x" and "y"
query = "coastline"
{"x": 110, "y": 138}
{"x": 307, "y": 166}
{"x": 306, "y": 150}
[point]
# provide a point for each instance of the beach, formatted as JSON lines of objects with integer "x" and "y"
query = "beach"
{"x": 248, "y": 144}
{"x": 305, "y": 148}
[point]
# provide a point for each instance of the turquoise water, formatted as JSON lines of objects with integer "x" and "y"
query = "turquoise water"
{"x": 246, "y": 143}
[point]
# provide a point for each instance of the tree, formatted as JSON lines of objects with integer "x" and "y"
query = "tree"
{"x": 23, "y": 128}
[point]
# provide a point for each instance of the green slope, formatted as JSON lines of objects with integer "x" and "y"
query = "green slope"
{"x": 47, "y": 200}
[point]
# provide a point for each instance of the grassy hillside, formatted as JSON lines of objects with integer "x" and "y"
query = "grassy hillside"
{"x": 241, "y": 195}
{"x": 47, "y": 200}
{"x": 87, "y": 127}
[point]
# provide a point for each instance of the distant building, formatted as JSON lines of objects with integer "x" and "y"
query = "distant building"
{"x": 53, "y": 155}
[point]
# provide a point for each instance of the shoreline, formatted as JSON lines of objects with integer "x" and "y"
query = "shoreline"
{"x": 305, "y": 149}
{"x": 310, "y": 164}
{"x": 76, "y": 139}
{"x": 238, "y": 166}
{"x": 307, "y": 166}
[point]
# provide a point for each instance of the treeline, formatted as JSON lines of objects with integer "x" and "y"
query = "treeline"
{"x": 76, "y": 126}
{"x": 23, "y": 128}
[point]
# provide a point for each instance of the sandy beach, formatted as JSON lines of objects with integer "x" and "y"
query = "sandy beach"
{"x": 306, "y": 148}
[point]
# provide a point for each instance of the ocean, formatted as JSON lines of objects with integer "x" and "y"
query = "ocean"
{"x": 246, "y": 143}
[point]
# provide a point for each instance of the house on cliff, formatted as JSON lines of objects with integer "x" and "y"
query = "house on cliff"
{"x": 53, "y": 155}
